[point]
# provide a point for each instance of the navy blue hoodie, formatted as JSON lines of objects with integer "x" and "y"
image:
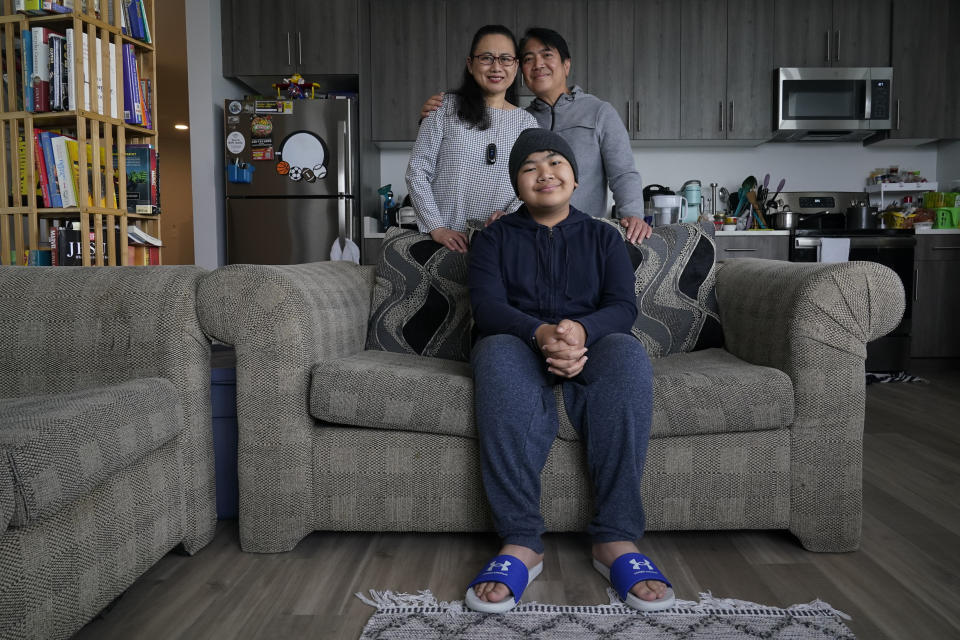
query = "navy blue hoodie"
{"x": 523, "y": 274}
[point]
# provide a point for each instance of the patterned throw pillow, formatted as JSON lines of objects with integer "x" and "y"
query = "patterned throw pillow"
{"x": 421, "y": 303}
{"x": 675, "y": 272}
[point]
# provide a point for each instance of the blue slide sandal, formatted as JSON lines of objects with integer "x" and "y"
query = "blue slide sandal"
{"x": 628, "y": 570}
{"x": 510, "y": 571}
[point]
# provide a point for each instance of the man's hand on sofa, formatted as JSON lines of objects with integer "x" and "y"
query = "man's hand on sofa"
{"x": 563, "y": 346}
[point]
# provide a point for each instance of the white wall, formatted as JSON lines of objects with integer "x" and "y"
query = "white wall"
{"x": 208, "y": 89}
{"x": 806, "y": 166}
{"x": 948, "y": 165}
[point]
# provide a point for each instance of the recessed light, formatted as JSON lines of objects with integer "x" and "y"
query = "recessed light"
{"x": 181, "y": 127}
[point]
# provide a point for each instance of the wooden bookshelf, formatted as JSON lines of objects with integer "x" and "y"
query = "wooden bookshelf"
{"x": 23, "y": 218}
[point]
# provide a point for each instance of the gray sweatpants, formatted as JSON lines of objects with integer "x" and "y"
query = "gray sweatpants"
{"x": 610, "y": 403}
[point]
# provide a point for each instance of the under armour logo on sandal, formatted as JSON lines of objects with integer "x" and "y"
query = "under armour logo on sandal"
{"x": 641, "y": 566}
{"x": 499, "y": 565}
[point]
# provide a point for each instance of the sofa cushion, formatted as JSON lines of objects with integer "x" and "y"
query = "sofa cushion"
{"x": 384, "y": 390}
{"x": 675, "y": 271}
{"x": 708, "y": 391}
{"x": 421, "y": 304}
{"x": 713, "y": 391}
{"x": 57, "y": 448}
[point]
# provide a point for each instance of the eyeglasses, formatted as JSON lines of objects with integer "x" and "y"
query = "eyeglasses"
{"x": 486, "y": 59}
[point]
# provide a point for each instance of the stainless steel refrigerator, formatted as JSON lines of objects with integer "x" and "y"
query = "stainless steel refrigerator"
{"x": 291, "y": 172}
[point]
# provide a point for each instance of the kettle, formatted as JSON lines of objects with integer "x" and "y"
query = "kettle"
{"x": 691, "y": 190}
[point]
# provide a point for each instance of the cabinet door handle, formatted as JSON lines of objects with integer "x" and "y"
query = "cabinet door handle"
{"x": 629, "y": 112}
{"x": 721, "y": 115}
{"x": 916, "y": 279}
{"x": 946, "y": 248}
{"x": 827, "y": 32}
{"x": 299, "y": 49}
{"x": 838, "y": 46}
{"x": 288, "y": 48}
{"x": 638, "y": 116}
{"x": 730, "y": 121}
{"x": 898, "y": 116}
{"x": 742, "y": 249}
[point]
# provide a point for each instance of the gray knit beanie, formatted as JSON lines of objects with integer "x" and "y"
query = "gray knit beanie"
{"x": 534, "y": 140}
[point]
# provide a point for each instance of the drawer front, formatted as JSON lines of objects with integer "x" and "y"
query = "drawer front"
{"x": 769, "y": 247}
{"x": 938, "y": 246}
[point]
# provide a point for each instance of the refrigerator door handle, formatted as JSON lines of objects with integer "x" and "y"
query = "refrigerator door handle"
{"x": 342, "y": 183}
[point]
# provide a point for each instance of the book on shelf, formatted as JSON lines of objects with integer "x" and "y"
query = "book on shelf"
{"x": 41, "y": 168}
{"x": 41, "y": 69}
{"x": 73, "y": 148}
{"x": 63, "y": 168}
{"x": 25, "y": 191}
{"x": 28, "y": 7}
{"x": 138, "y": 236}
{"x": 131, "y": 84}
{"x": 142, "y": 255}
{"x": 26, "y": 64}
{"x": 39, "y": 258}
{"x": 57, "y": 51}
{"x": 143, "y": 194}
{"x": 50, "y": 164}
{"x": 136, "y": 16}
{"x": 64, "y": 6}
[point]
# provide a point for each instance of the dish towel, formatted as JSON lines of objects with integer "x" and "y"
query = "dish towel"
{"x": 349, "y": 253}
{"x": 834, "y": 250}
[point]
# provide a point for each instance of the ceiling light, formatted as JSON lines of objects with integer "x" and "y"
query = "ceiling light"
{"x": 181, "y": 127}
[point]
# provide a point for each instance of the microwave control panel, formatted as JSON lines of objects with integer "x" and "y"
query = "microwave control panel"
{"x": 880, "y": 100}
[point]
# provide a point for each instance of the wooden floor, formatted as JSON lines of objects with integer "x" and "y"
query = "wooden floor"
{"x": 904, "y": 582}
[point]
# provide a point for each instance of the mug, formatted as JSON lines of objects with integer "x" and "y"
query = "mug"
{"x": 947, "y": 218}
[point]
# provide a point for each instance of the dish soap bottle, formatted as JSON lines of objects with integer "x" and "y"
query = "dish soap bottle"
{"x": 388, "y": 205}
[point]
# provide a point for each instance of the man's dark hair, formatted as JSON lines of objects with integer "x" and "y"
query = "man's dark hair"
{"x": 548, "y": 37}
{"x": 471, "y": 105}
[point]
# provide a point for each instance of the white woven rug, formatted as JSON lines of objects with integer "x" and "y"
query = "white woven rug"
{"x": 421, "y": 617}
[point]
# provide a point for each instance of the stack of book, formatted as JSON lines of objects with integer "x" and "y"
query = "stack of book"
{"x": 137, "y": 91}
{"x": 42, "y": 7}
{"x": 142, "y": 248}
{"x": 135, "y": 20}
{"x": 58, "y": 170}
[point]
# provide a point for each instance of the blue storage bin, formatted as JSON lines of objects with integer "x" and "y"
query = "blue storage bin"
{"x": 223, "y": 397}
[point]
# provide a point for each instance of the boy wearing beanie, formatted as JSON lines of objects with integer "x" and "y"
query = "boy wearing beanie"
{"x": 552, "y": 291}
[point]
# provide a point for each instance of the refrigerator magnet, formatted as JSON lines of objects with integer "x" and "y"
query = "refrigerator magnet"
{"x": 235, "y": 107}
{"x": 236, "y": 143}
{"x": 261, "y": 126}
{"x": 304, "y": 149}
{"x": 309, "y": 176}
{"x": 283, "y": 168}
{"x": 266, "y": 153}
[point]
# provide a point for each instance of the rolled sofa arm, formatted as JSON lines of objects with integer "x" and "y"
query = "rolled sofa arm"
{"x": 281, "y": 321}
{"x": 813, "y": 321}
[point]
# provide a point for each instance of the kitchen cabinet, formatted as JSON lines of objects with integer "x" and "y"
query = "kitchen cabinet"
{"x": 463, "y": 18}
{"x": 726, "y": 71}
{"x": 407, "y": 61}
{"x": 920, "y": 64}
{"x": 833, "y": 33}
{"x": 936, "y": 298}
{"x": 756, "y": 245}
{"x": 569, "y": 19}
{"x": 634, "y": 63}
{"x": 292, "y": 36}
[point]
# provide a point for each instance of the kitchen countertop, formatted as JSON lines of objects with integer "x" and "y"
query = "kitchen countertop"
{"x": 936, "y": 231}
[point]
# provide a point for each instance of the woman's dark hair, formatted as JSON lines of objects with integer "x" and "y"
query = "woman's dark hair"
{"x": 471, "y": 106}
{"x": 548, "y": 37}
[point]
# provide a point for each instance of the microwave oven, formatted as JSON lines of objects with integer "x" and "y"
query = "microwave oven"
{"x": 831, "y": 104}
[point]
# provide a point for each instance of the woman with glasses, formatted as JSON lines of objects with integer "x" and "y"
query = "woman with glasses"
{"x": 458, "y": 167}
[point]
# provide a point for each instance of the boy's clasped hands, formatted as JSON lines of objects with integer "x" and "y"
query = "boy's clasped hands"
{"x": 563, "y": 346}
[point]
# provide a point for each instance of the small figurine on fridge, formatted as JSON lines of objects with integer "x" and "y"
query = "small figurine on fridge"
{"x": 296, "y": 87}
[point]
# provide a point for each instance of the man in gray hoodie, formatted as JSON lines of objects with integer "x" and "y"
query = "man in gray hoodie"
{"x": 590, "y": 126}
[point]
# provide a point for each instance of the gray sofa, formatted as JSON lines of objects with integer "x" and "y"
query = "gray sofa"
{"x": 106, "y": 457}
{"x": 765, "y": 433}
